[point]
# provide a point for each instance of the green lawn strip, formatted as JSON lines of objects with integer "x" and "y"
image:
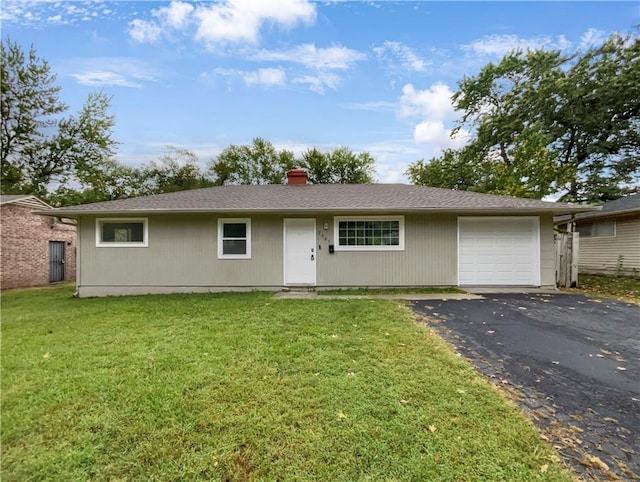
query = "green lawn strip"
{"x": 389, "y": 291}
{"x": 244, "y": 387}
{"x": 624, "y": 288}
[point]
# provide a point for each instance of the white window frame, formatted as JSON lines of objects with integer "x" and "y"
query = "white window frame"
{"x": 336, "y": 233}
{"x": 132, "y": 244}
{"x": 221, "y": 223}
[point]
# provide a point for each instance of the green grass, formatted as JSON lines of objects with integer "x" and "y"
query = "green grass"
{"x": 390, "y": 291}
{"x": 625, "y": 288}
{"x": 245, "y": 387}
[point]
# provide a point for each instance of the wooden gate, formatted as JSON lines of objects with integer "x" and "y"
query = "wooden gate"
{"x": 56, "y": 261}
{"x": 567, "y": 259}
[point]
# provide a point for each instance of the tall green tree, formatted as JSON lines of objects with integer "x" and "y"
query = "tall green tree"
{"x": 176, "y": 170}
{"x": 256, "y": 163}
{"x": 340, "y": 166}
{"x": 546, "y": 123}
{"x": 40, "y": 147}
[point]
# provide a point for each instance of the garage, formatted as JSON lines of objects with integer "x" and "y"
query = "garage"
{"x": 495, "y": 251}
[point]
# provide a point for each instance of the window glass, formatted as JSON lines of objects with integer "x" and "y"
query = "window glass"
{"x": 131, "y": 232}
{"x": 601, "y": 229}
{"x": 604, "y": 228}
{"x": 235, "y": 230}
{"x": 370, "y": 233}
{"x": 122, "y": 232}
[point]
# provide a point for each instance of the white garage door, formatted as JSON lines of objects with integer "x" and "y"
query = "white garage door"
{"x": 499, "y": 251}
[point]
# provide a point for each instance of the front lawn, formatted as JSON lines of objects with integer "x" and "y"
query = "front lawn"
{"x": 244, "y": 387}
{"x": 625, "y": 288}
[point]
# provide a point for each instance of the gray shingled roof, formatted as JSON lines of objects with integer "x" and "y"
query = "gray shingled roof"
{"x": 320, "y": 198}
{"x": 626, "y": 205}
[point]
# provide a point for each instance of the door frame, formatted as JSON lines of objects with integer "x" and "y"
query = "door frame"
{"x": 284, "y": 252}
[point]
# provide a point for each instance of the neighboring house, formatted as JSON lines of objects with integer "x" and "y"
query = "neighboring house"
{"x": 35, "y": 250}
{"x": 298, "y": 235}
{"x": 610, "y": 239}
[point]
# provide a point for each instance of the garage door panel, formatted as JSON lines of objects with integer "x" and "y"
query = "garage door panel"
{"x": 498, "y": 251}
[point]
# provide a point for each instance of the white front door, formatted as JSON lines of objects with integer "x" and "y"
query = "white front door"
{"x": 300, "y": 252}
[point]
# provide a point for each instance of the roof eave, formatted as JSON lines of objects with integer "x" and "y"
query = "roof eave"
{"x": 552, "y": 210}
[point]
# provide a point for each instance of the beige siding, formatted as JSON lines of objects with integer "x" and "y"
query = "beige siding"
{"x": 429, "y": 257}
{"x": 602, "y": 254}
{"x": 182, "y": 257}
{"x": 182, "y": 252}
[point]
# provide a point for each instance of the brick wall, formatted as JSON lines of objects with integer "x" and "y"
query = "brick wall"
{"x": 24, "y": 242}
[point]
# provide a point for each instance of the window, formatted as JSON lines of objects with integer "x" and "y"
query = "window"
{"x": 121, "y": 233}
{"x": 597, "y": 230}
{"x": 234, "y": 238}
{"x": 369, "y": 233}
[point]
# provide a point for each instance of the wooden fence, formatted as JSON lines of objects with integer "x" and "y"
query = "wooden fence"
{"x": 567, "y": 249}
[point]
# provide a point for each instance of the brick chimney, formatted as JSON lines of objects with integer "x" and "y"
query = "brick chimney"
{"x": 297, "y": 176}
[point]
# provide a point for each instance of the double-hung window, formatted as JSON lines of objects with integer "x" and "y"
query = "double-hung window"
{"x": 234, "y": 238}
{"x": 122, "y": 233}
{"x": 369, "y": 233}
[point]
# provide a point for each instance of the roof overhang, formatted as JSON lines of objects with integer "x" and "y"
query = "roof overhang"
{"x": 70, "y": 213}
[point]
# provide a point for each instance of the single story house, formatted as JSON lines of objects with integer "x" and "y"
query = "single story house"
{"x": 610, "y": 238}
{"x": 34, "y": 250}
{"x": 300, "y": 235}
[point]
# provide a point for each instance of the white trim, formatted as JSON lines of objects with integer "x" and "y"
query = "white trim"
{"x": 247, "y": 222}
{"x": 133, "y": 244}
{"x": 284, "y": 251}
{"x": 336, "y": 233}
{"x": 535, "y": 220}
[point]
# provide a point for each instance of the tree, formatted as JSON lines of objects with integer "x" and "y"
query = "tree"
{"x": 175, "y": 170}
{"x": 257, "y": 163}
{"x": 340, "y": 166}
{"x": 546, "y": 123}
{"x": 41, "y": 149}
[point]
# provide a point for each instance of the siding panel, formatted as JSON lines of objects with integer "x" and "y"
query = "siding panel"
{"x": 602, "y": 254}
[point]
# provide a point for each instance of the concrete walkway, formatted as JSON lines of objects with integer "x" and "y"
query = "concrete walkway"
{"x": 313, "y": 295}
{"x": 472, "y": 293}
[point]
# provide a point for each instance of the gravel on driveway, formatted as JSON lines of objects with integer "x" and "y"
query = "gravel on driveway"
{"x": 572, "y": 363}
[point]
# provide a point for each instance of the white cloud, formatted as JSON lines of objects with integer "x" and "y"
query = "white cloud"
{"x": 432, "y": 103}
{"x": 38, "y": 12}
{"x": 374, "y": 106}
{"x": 104, "y": 78}
{"x": 320, "y": 82}
{"x": 143, "y": 31}
{"x": 435, "y": 111}
{"x": 240, "y": 21}
{"x": 111, "y": 71}
{"x": 435, "y": 133}
{"x": 500, "y": 45}
{"x": 268, "y": 77}
{"x": 222, "y": 22}
{"x": 176, "y": 15}
{"x": 407, "y": 59}
{"x": 592, "y": 37}
{"x": 334, "y": 57}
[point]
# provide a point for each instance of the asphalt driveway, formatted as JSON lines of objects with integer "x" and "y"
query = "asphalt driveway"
{"x": 571, "y": 362}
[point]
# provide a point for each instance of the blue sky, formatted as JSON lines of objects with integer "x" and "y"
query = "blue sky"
{"x": 372, "y": 76}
